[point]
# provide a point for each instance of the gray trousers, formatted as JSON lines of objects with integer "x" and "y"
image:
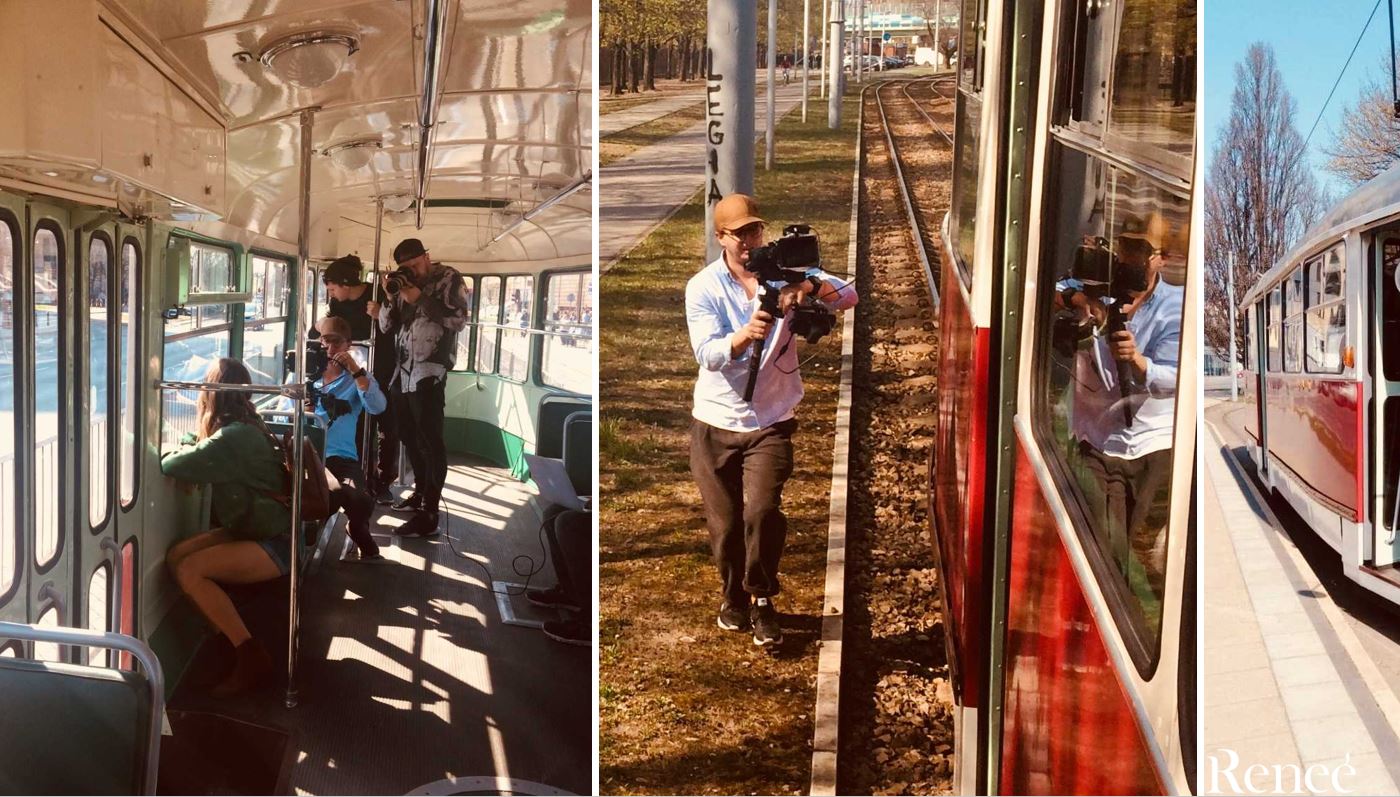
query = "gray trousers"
{"x": 741, "y": 477}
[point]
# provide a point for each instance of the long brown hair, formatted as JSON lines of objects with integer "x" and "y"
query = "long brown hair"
{"x": 214, "y": 411}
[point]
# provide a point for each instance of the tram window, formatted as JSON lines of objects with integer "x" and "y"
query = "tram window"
{"x": 974, "y": 14}
{"x": 98, "y": 615}
{"x": 1250, "y": 358}
{"x": 1114, "y": 236}
{"x": 488, "y": 337}
{"x": 49, "y": 260}
{"x": 195, "y": 341}
{"x": 99, "y": 322}
{"x": 464, "y": 360}
{"x": 127, "y": 600}
{"x": 47, "y": 651}
{"x": 1276, "y": 329}
{"x": 1293, "y": 322}
{"x": 1088, "y": 45}
{"x": 211, "y": 270}
{"x": 965, "y": 183}
{"x": 1326, "y": 321}
{"x": 568, "y": 325}
{"x": 265, "y": 321}
{"x": 1154, "y": 74}
{"x": 517, "y": 313}
{"x": 9, "y": 536}
{"x": 8, "y": 651}
{"x": 127, "y": 369}
{"x": 315, "y": 304}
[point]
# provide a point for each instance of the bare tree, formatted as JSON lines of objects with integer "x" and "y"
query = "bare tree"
{"x": 1369, "y": 141}
{"x": 1261, "y": 195}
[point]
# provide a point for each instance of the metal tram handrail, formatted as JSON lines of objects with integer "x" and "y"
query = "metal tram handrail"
{"x": 289, "y": 390}
{"x": 82, "y": 637}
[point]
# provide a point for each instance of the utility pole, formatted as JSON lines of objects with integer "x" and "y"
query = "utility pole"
{"x": 858, "y": 56}
{"x": 806, "y": 43}
{"x": 937, "y": 35}
{"x": 772, "y": 82}
{"x": 731, "y": 38}
{"x": 824, "y": 50}
{"x": 837, "y": 42}
{"x": 1230, "y": 297}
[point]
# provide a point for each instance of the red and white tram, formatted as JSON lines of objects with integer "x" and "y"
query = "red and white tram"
{"x": 1062, "y": 501}
{"x": 1324, "y": 381}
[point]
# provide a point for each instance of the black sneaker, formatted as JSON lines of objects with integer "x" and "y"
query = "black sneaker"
{"x": 552, "y": 598}
{"x": 732, "y": 617}
{"x": 570, "y": 632}
{"x": 422, "y": 524}
{"x": 409, "y": 503}
{"x": 766, "y": 630}
{"x": 381, "y": 495}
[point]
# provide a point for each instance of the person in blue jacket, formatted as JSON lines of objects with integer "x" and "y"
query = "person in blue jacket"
{"x": 343, "y": 391}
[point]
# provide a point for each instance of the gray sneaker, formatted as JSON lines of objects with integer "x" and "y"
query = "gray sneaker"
{"x": 732, "y": 618}
{"x": 766, "y": 630}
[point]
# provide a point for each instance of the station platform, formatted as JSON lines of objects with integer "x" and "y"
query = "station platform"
{"x": 1286, "y": 682}
{"x": 639, "y": 192}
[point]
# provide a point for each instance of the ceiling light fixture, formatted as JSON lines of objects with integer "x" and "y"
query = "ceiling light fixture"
{"x": 397, "y": 203}
{"x": 353, "y": 154}
{"x": 309, "y": 60}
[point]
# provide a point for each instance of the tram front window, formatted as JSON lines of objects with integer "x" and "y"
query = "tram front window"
{"x": 1154, "y": 75}
{"x": 1111, "y": 345}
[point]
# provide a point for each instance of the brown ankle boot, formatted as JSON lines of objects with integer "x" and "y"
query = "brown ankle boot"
{"x": 252, "y": 669}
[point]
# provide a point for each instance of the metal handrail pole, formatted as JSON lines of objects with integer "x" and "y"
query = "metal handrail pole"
{"x": 298, "y": 423}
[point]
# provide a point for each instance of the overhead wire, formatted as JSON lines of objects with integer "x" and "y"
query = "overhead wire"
{"x": 1364, "y": 28}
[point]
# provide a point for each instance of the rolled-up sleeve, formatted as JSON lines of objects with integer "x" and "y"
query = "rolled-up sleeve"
{"x": 846, "y": 296}
{"x": 1162, "y": 363}
{"x": 709, "y": 333}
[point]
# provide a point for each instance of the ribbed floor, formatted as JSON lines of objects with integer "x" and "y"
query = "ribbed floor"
{"x": 407, "y": 675}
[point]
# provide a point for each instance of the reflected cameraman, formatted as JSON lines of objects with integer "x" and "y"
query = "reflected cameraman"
{"x": 426, "y": 305}
{"x": 741, "y": 450}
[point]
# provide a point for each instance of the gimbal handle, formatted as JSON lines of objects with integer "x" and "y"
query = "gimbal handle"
{"x": 768, "y": 302}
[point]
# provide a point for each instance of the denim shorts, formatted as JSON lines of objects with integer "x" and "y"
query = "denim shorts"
{"x": 279, "y": 549}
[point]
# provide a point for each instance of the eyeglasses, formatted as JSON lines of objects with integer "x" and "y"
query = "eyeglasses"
{"x": 332, "y": 340}
{"x": 748, "y": 231}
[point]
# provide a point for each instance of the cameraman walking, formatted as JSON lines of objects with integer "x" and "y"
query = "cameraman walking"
{"x": 741, "y": 451}
{"x": 428, "y": 305}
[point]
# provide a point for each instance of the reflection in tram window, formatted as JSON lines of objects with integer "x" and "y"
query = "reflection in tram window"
{"x": 969, "y": 61}
{"x": 47, "y": 254}
{"x": 1293, "y": 322}
{"x": 1276, "y": 329}
{"x": 568, "y": 354}
{"x": 964, "y": 210}
{"x": 488, "y": 337}
{"x": 1118, "y": 253}
{"x": 98, "y": 614}
{"x": 8, "y": 505}
{"x": 1090, "y": 39}
{"x": 1154, "y": 75}
{"x": 517, "y": 311}
{"x": 99, "y": 317}
{"x": 47, "y": 651}
{"x": 265, "y": 321}
{"x": 1326, "y": 313}
{"x": 126, "y": 368}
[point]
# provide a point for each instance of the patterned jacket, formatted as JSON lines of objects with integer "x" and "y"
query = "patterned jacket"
{"x": 425, "y": 333}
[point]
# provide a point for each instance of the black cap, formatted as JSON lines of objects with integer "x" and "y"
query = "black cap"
{"x": 343, "y": 271}
{"x": 408, "y": 249}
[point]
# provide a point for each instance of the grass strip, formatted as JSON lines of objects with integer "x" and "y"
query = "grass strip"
{"x": 685, "y": 707}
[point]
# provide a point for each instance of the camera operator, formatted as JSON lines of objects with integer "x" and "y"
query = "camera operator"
{"x": 338, "y": 397}
{"x": 741, "y": 451}
{"x": 427, "y": 306}
{"x": 1131, "y": 458}
{"x": 349, "y": 298}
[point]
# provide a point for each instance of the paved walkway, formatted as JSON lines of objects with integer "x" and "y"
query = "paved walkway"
{"x": 1281, "y": 688}
{"x": 644, "y": 189}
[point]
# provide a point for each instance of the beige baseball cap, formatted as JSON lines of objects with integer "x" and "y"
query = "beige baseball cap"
{"x": 736, "y": 211}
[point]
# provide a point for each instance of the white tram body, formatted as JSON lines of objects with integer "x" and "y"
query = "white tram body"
{"x": 1322, "y": 369}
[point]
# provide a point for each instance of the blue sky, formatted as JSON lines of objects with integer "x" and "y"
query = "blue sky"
{"x": 1311, "y": 40}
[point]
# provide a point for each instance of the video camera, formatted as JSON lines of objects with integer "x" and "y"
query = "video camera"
{"x": 316, "y": 361}
{"x": 1102, "y": 274}
{"x": 396, "y": 279}
{"x": 787, "y": 261}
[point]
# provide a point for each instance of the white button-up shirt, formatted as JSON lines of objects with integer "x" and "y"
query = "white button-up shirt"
{"x": 716, "y": 306}
{"x": 1156, "y": 328}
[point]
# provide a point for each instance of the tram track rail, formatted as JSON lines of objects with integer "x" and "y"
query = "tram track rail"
{"x": 895, "y": 713}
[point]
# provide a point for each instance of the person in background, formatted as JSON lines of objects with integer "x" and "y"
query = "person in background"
{"x": 344, "y": 391}
{"x": 349, "y": 298}
{"x": 251, "y": 538}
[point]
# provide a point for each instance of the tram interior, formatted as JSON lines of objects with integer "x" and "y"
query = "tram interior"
{"x": 174, "y": 177}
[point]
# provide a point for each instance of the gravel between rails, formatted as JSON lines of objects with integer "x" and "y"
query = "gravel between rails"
{"x": 897, "y": 725}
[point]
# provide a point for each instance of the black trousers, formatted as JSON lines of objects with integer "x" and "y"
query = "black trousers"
{"x": 350, "y": 496}
{"x": 570, "y": 537}
{"x": 741, "y": 477}
{"x": 381, "y": 459}
{"x": 419, "y": 417}
{"x": 1130, "y": 487}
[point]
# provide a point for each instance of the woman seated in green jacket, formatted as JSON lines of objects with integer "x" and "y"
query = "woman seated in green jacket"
{"x": 251, "y": 538}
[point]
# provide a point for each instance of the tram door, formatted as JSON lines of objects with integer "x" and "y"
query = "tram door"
{"x": 1259, "y": 342}
{"x": 1383, "y": 368}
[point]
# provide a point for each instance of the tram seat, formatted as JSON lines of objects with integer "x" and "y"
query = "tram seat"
{"x": 578, "y": 451}
{"x": 74, "y": 729}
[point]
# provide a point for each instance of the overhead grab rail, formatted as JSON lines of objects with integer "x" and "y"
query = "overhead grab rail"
{"x": 563, "y": 194}
{"x": 434, "y": 46}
